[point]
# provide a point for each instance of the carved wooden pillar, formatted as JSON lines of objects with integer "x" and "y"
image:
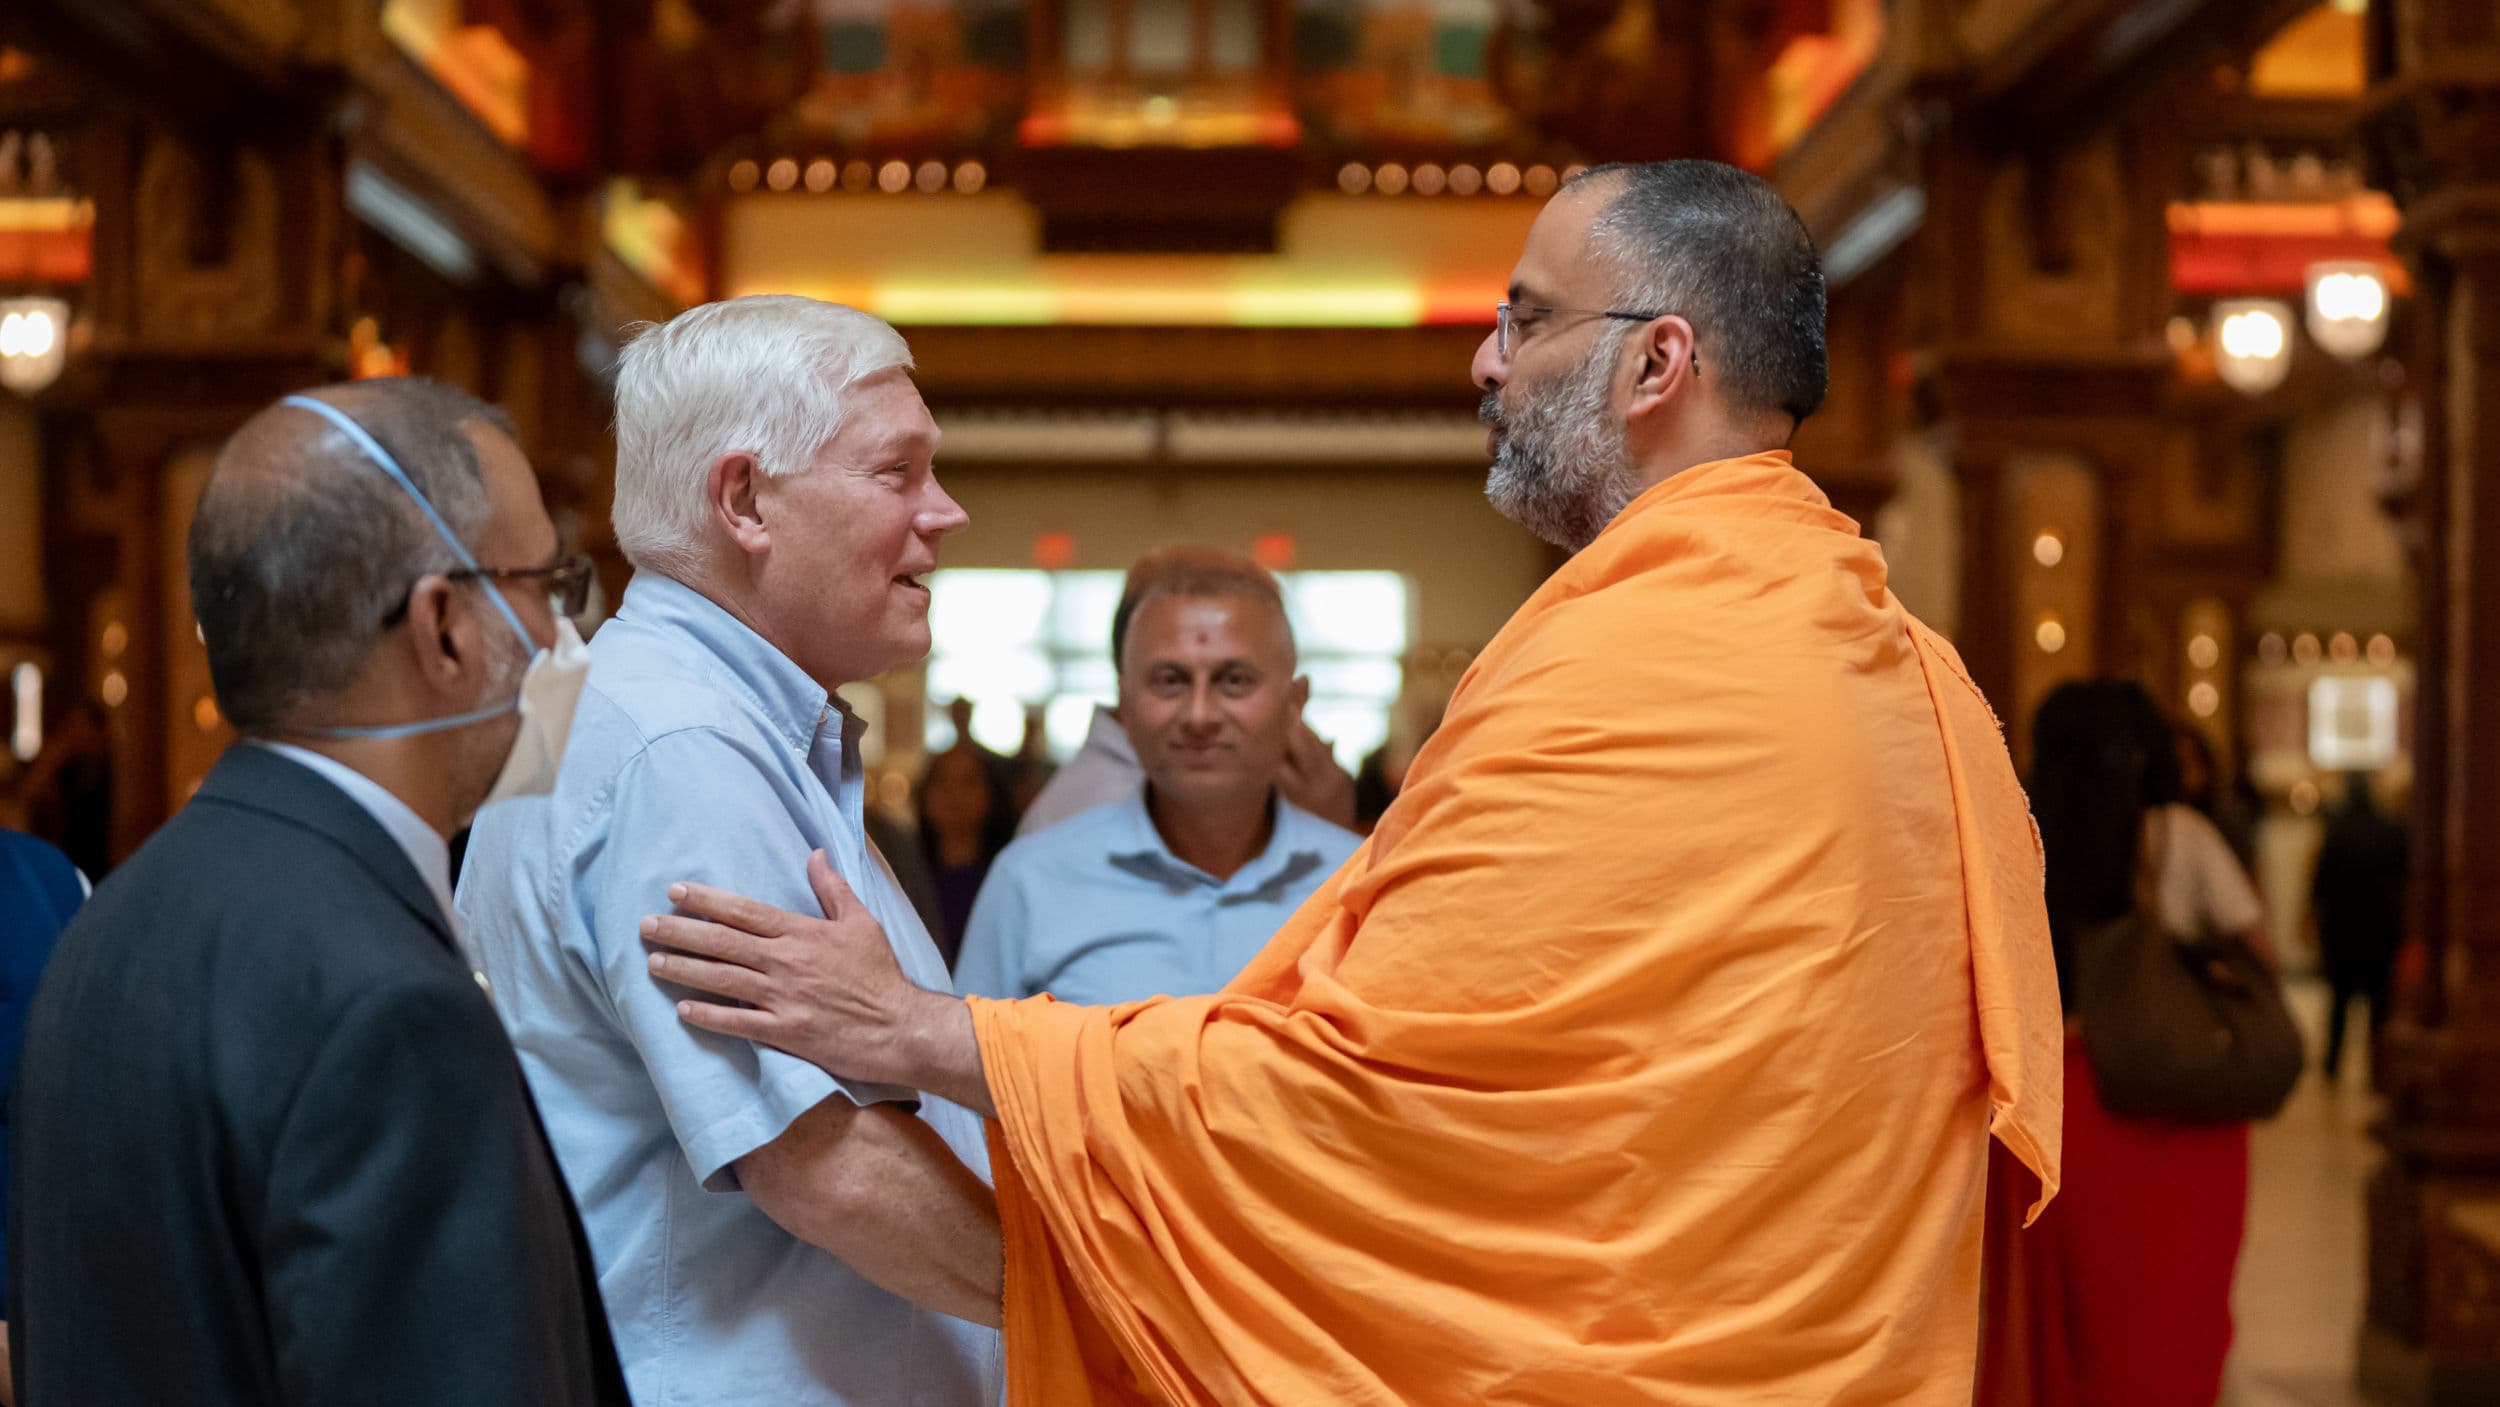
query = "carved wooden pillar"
{"x": 212, "y": 294}
{"x": 2435, "y": 1207}
{"x": 2045, "y": 271}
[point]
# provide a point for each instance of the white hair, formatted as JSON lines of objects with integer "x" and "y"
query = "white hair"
{"x": 766, "y": 375}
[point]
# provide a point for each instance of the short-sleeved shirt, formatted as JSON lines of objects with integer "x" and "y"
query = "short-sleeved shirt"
{"x": 699, "y": 752}
{"x": 1097, "y": 909}
{"x": 2198, "y": 885}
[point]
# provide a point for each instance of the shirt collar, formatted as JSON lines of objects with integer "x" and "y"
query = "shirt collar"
{"x": 793, "y": 702}
{"x": 428, "y": 853}
{"x": 1138, "y": 845}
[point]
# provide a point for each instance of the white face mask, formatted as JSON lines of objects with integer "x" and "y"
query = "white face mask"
{"x": 550, "y": 687}
{"x": 549, "y": 692}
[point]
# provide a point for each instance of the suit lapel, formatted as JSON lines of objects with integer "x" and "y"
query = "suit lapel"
{"x": 256, "y": 779}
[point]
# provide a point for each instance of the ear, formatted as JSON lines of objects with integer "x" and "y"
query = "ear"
{"x": 732, "y": 491}
{"x": 1301, "y": 693}
{"x": 441, "y": 642}
{"x": 1665, "y": 370}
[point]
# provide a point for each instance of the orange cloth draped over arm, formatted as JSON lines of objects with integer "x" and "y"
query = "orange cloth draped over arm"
{"x": 1648, "y": 1052}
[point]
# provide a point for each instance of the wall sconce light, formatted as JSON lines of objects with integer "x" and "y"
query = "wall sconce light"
{"x": 34, "y": 342}
{"x": 2347, "y": 308}
{"x": 2253, "y": 343}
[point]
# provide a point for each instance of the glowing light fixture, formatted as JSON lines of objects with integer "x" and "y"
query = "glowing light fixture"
{"x": 2253, "y": 343}
{"x": 2048, "y": 549}
{"x": 2347, "y": 308}
{"x": 34, "y": 342}
{"x": 26, "y": 686}
{"x": 2203, "y": 700}
{"x": 2204, "y": 652}
{"x": 2050, "y": 635}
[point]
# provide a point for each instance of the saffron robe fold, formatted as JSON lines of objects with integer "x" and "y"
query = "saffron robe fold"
{"x": 1648, "y": 1052}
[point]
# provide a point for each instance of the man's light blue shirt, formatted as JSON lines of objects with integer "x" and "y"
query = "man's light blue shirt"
{"x": 699, "y": 752}
{"x": 1098, "y": 910}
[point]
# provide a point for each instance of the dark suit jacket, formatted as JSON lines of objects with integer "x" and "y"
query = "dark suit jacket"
{"x": 272, "y": 1145}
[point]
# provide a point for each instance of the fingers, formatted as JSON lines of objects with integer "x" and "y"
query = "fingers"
{"x": 735, "y": 910}
{"x": 744, "y": 1022}
{"x": 832, "y": 890}
{"x": 710, "y": 940}
{"x": 720, "y": 979}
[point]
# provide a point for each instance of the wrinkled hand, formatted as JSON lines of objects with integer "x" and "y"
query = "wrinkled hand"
{"x": 827, "y": 990}
{"x": 1312, "y": 780}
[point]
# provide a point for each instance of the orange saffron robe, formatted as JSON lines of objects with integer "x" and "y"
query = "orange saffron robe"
{"x": 1647, "y": 1053}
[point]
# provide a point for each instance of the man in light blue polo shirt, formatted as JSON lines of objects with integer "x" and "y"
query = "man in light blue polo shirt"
{"x": 1174, "y": 888}
{"x": 766, "y": 1235}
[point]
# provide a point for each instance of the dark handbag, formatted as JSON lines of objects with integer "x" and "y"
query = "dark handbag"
{"x": 2192, "y": 1032}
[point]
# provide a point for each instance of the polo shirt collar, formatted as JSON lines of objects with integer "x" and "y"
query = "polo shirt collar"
{"x": 792, "y": 702}
{"x": 1139, "y": 848}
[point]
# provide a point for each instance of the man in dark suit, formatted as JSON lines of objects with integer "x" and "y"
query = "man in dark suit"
{"x": 271, "y": 1144}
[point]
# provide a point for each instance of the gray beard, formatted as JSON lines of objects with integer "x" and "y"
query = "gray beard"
{"x": 1562, "y": 470}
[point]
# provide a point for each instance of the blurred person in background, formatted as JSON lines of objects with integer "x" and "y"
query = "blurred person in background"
{"x": 2230, "y": 805}
{"x": 39, "y": 891}
{"x": 967, "y": 816}
{"x": 1032, "y": 764}
{"x": 69, "y": 788}
{"x": 2357, "y": 901}
{"x": 959, "y": 713}
{"x": 1172, "y": 888}
{"x": 1106, "y": 768}
{"x": 2129, "y": 1272}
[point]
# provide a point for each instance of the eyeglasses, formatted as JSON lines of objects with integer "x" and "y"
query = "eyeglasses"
{"x": 1504, "y": 316}
{"x": 568, "y": 584}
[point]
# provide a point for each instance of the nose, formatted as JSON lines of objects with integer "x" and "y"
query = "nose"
{"x": 1202, "y": 715}
{"x": 1490, "y": 368}
{"x": 943, "y": 517}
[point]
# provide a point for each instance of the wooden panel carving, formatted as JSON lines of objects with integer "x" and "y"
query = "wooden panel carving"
{"x": 2055, "y": 248}
{"x": 208, "y": 243}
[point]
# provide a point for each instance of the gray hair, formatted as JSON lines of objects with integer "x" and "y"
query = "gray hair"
{"x": 1718, "y": 247}
{"x": 302, "y": 547}
{"x": 765, "y": 375}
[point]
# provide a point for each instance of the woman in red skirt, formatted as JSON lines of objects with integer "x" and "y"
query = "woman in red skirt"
{"x": 2124, "y": 1284}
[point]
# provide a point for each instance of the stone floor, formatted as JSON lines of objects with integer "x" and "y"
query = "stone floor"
{"x": 2298, "y": 1298}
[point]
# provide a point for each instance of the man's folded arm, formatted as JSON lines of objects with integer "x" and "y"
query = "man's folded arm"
{"x": 878, "y": 1188}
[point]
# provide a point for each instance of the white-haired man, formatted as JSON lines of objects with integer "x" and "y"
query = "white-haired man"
{"x": 775, "y": 493}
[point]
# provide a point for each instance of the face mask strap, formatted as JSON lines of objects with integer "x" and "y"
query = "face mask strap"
{"x": 411, "y": 730}
{"x": 372, "y": 448}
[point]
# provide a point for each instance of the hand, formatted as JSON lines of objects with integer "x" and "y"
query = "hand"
{"x": 827, "y": 990}
{"x": 1312, "y": 780}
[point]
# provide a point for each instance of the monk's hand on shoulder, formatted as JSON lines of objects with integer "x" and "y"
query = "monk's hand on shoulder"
{"x": 824, "y": 988}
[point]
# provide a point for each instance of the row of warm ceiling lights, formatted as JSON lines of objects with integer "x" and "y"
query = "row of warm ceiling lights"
{"x": 1500, "y": 178}
{"x": 823, "y": 174}
{"x": 2341, "y": 648}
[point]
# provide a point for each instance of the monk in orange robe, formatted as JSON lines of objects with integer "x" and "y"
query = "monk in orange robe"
{"x": 1651, "y": 1049}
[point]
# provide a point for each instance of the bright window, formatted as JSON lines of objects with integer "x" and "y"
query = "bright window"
{"x": 1010, "y": 639}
